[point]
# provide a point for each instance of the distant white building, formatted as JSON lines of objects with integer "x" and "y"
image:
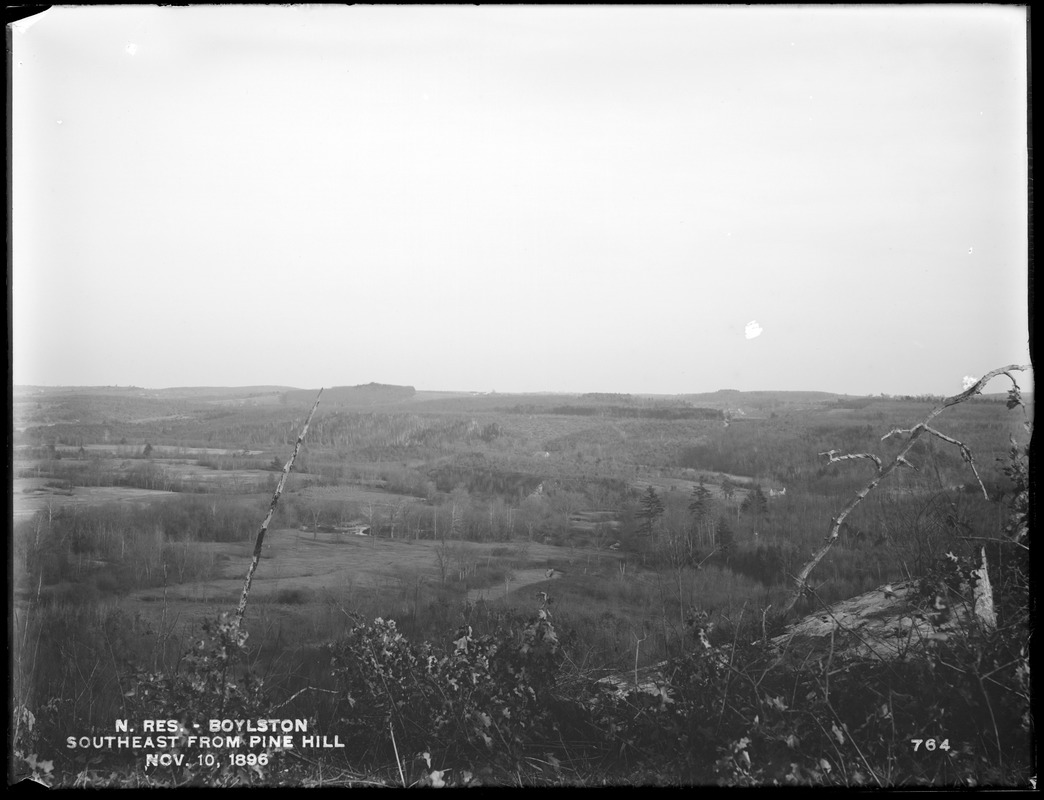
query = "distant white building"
{"x": 355, "y": 529}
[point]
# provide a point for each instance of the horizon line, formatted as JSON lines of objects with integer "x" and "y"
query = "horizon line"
{"x": 574, "y": 393}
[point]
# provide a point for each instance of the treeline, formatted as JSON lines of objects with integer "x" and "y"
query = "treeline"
{"x": 862, "y": 402}
{"x": 853, "y": 402}
{"x": 789, "y": 450}
{"x": 607, "y": 397}
{"x": 258, "y": 428}
{"x": 369, "y": 394}
{"x": 456, "y": 514}
{"x": 188, "y": 430}
{"x": 93, "y": 408}
{"x": 369, "y": 433}
{"x": 79, "y": 554}
{"x": 639, "y": 412}
{"x": 480, "y": 476}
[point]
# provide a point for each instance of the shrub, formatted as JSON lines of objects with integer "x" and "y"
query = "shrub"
{"x": 483, "y": 697}
{"x": 767, "y": 562}
{"x": 211, "y": 681}
{"x": 294, "y": 596}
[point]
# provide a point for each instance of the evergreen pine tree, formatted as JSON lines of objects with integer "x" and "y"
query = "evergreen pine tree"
{"x": 725, "y": 537}
{"x": 698, "y": 504}
{"x": 651, "y": 510}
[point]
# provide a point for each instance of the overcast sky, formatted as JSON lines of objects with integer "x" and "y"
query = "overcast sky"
{"x": 662, "y": 200}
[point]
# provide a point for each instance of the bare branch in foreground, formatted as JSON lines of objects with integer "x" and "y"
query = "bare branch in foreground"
{"x": 260, "y": 541}
{"x": 801, "y": 578}
{"x": 983, "y": 594}
{"x": 897, "y": 432}
{"x": 966, "y": 454}
{"x": 832, "y": 454}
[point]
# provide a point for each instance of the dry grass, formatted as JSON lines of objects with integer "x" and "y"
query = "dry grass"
{"x": 294, "y": 560}
{"x": 518, "y": 581}
{"x": 39, "y": 499}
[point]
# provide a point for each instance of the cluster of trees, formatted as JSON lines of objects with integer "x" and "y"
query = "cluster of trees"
{"x": 607, "y": 397}
{"x": 681, "y": 538}
{"x": 196, "y": 427}
{"x": 118, "y": 547}
{"x": 378, "y": 432}
{"x": 456, "y": 514}
{"x": 479, "y": 475}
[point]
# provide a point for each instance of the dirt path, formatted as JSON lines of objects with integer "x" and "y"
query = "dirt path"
{"x": 519, "y": 579}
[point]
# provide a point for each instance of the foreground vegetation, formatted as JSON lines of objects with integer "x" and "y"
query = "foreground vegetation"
{"x": 661, "y": 537}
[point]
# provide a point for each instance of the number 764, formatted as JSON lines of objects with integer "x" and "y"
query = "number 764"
{"x": 930, "y": 744}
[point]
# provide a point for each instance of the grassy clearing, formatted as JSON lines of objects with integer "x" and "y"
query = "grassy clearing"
{"x": 32, "y": 495}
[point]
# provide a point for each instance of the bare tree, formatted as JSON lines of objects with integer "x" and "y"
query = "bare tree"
{"x": 442, "y": 560}
{"x": 260, "y": 541}
{"x": 883, "y": 470}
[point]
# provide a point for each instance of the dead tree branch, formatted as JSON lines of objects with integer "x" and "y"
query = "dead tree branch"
{"x": 833, "y": 455}
{"x": 883, "y": 472}
{"x": 260, "y": 541}
{"x": 966, "y": 454}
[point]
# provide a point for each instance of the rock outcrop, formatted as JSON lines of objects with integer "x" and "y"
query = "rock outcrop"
{"x": 890, "y": 622}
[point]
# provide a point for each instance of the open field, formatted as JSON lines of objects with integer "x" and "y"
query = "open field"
{"x": 31, "y": 495}
{"x": 300, "y": 561}
{"x": 165, "y": 474}
{"x": 135, "y": 451}
{"x": 517, "y": 581}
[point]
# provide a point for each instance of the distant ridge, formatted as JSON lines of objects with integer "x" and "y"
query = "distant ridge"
{"x": 227, "y": 389}
{"x": 212, "y": 392}
{"x": 731, "y": 397}
{"x": 364, "y": 395}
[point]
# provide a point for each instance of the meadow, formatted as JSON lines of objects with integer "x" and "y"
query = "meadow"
{"x": 630, "y": 524}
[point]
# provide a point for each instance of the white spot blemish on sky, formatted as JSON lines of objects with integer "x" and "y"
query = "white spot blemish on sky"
{"x": 753, "y": 330}
{"x": 969, "y": 381}
{"x": 131, "y": 49}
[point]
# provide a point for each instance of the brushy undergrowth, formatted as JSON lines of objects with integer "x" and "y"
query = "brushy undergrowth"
{"x": 509, "y": 707}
